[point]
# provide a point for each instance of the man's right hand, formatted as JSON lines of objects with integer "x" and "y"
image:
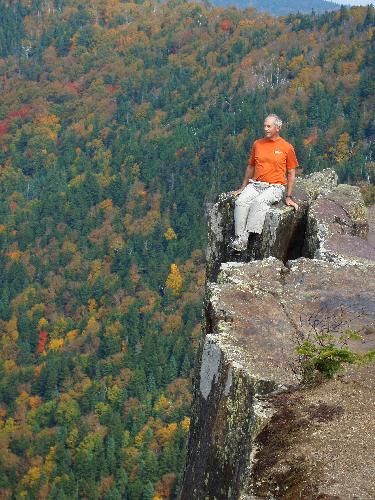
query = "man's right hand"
{"x": 236, "y": 193}
{"x": 291, "y": 203}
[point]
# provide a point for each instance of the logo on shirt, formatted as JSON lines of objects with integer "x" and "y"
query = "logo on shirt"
{"x": 278, "y": 152}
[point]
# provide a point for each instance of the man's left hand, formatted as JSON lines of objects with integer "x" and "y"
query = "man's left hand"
{"x": 290, "y": 203}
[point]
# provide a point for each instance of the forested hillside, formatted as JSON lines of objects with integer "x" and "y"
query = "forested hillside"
{"x": 119, "y": 122}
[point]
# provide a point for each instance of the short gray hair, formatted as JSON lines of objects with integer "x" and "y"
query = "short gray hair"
{"x": 277, "y": 120}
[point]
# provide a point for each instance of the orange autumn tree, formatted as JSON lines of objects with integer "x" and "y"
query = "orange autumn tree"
{"x": 43, "y": 337}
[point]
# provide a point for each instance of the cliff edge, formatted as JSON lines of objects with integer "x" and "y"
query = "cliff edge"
{"x": 255, "y": 432}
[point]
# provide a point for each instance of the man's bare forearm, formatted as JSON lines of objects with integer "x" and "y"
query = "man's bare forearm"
{"x": 291, "y": 177}
{"x": 248, "y": 175}
{"x": 290, "y": 182}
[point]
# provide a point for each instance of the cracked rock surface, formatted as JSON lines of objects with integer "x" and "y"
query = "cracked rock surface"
{"x": 255, "y": 431}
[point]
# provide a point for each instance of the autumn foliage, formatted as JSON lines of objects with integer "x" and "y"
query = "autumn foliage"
{"x": 19, "y": 113}
{"x": 225, "y": 25}
{"x": 42, "y": 341}
{"x": 120, "y": 123}
{"x": 174, "y": 279}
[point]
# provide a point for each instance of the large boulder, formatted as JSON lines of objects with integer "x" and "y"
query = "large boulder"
{"x": 337, "y": 227}
{"x": 283, "y": 232}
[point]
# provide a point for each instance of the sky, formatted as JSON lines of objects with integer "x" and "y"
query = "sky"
{"x": 353, "y": 2}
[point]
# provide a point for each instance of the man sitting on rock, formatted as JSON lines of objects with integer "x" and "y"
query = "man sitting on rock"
{"x": 270, "y": 174}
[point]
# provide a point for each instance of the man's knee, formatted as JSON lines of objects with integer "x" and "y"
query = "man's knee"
{"x": 245, "y": 199}
{"x": 270, "y": 197}
{"x": 257, "y": 205}
{"x": 241, "y": 203}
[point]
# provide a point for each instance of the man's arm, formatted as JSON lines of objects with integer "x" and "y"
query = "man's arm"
{"x": 248, "y": 175}
{"x": 291, "y": 177}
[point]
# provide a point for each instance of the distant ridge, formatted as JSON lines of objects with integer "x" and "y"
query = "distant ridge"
{"x": 281, "y": 7}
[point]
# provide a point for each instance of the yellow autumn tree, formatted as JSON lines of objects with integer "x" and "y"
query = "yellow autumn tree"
{"x": 185, "y": 424}
{"x": 71, "y": 335}
{"x": 92, "y": 326}
{"x": 342, "y": 151}
{"x": 56, "y": 344}
{"x": 166, "y": 433}
{"x": 42, "y": 324}
{"x": 11, "y": 328}
{"x": 48, "y": 125}
{"x": 8, "y": 344}
{"x": 170, "y": 234}
{"x": 174, "y": 280}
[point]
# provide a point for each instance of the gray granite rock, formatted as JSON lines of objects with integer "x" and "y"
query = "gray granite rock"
{"x": 337, "y": 227}
{"x": 255, "y": 312}
{"x": 283, "y": 233}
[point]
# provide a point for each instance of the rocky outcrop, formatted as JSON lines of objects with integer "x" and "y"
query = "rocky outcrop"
{"x": 283, "y": 233}
{"x": 338, "y": 226}
{"x": 253, "y": 430}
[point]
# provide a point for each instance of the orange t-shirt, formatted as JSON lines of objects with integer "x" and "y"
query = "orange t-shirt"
{"x": 272, "y": 159}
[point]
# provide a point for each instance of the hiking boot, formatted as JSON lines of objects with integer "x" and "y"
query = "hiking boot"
{"x": 238, "y": 244}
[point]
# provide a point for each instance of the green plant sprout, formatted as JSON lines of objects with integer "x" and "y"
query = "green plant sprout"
{"x": 322, "y": 345}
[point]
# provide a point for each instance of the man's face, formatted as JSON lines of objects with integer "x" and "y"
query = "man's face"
{"x": 270, "y": 129}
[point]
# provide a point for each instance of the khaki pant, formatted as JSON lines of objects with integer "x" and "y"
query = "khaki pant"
{"x": 252, "y": 206}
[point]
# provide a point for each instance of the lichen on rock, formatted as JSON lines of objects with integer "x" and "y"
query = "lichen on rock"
{"x": 209, "y": 367}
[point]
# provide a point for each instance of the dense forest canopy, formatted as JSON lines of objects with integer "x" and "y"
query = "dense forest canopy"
{"x": 119, "y": 123}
